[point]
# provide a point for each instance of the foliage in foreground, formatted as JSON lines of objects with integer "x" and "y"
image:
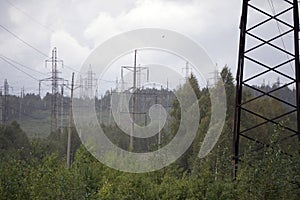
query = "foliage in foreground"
{"x": 37, "y": 170}
{"x": 275, "y": 177}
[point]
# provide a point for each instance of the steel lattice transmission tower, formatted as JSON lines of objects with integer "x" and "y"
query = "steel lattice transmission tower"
{"x": 268, "y": 49}
{"x": 4, "y": 103}
{"x": 56, "y": 80}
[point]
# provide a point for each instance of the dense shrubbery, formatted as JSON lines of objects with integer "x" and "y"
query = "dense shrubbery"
{"x": 37, "y": 170}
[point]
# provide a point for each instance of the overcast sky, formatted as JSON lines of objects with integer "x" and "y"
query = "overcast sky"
{"x": 76, "y": 27}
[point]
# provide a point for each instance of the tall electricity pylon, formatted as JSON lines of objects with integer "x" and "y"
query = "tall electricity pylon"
{"x": 268, "y": 49}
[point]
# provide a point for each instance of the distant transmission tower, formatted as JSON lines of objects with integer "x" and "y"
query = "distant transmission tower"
{"x": 269, "y": 47}
{"x": 91, "y": 83}
{"x": 4, "y": 103}
{"x": 88, "y": 84}
{"x": 215, "y": 78}
{"x": 187, "y": 70}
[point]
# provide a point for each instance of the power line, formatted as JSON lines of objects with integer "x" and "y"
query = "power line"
{"x": 107, "y": 81}
{"x": 17, "y": 68}
{"x": 71, "y": 68}
{"x": 29, "y": 16}
{"x": 34, "y": 48}
{"x": 272, "y": 7}
{"x": 20, "y": 39}
{"x": 39, "y": 51}
{"x": 29, "y": 68}
{"x": 5, "y": 60}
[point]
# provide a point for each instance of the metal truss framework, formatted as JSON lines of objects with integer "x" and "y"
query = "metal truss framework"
{"x": 248, "y": 32}
{"x": 56, "y": 81}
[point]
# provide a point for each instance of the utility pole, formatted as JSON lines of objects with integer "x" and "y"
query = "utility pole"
{"x": 21, "y": 99}
{"x": 81, "y": 94}
{"x": 159, "y": 132}
{"x": 70, "y": 123}
{"x": 133, "y": 103}
{"x": 40, "y": 88}
{"x": 62, "y": 108}
{"x": 135, "y": 70}
{"x": 1, "y": 108}
{"x": 110, "y": 107}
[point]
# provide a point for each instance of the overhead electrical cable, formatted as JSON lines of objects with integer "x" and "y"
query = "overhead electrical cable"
{"x": 23, "y": 41}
